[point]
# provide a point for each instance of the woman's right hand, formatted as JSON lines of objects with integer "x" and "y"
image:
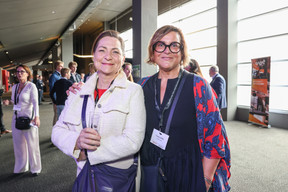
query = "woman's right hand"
{"x": 6, "y": 102}
{"x": 88, "y": 139}
{"x": 74, "y": 88}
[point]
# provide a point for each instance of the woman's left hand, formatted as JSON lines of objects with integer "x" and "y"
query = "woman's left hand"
{"x": 36, "y": 121}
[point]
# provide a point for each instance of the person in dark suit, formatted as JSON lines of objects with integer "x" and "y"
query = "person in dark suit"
{"x": 60, "y": 88}
{"x": 40, "y": 85}
{"x": 75, "y": 77}
{"x": 218, "y": 83}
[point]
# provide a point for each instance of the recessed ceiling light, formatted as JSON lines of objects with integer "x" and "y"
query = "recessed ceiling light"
{"x": 53, "y": 12}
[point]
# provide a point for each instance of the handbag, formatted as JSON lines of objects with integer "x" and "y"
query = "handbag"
{"x": 153, "y": 177}
{"x": 101, "y": 177}
{"x": 22, "y": 123}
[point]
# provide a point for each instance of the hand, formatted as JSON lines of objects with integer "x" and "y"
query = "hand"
{"x": 74, "y": 88}
{"x": 88, "y": 139}
{"x": 6, "y": 102}
{"x": 36, "y": 121}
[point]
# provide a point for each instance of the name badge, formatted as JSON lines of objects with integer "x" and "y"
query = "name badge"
{"x": 159, "y": 139}
{"x": 16, "y": 108}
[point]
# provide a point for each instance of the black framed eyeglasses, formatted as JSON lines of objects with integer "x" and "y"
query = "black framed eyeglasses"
{"x": 20, "y": 72}
{"x": 174, "y": 47}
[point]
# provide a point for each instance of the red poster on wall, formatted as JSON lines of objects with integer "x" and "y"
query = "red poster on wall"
{"x": 5, "y": 79}
{"x": 259, "y": 108}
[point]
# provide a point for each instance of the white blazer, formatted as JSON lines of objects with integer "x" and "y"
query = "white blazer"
{"x": 120, "y": 117}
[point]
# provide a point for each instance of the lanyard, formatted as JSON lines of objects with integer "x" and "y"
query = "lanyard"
{"x": 16, "y": 92}
{"x": 161, "y": 115}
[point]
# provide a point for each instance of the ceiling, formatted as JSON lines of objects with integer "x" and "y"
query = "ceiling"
{"x": 30, "y": 28}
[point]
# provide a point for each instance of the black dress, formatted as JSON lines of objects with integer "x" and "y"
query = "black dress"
{"x": 182, "y": 159}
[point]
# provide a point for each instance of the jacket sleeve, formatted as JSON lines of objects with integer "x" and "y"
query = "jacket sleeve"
{"x": 34, "y": 99}
{"x": 212, "y": 135}
{"x": 52, "y": 94}
{"x": 63, "y": 135}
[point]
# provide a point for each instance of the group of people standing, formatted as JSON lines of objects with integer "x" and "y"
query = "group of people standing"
{"x": 171, "y": 117}
{"x": 125, "y": 118}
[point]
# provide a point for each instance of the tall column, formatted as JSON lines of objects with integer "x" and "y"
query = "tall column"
{"x": 227, "y": 52}
{"x": 67, "y": 49}
{"x": 54, "y": 56}
{"x": 145, "y": 14}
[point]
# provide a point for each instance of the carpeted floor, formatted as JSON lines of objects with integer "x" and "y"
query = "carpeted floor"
{"x": 259, "y": 159}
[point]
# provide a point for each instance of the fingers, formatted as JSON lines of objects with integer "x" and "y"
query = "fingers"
{"x": 88, "y": 139}
{"x": 74, "y": 88}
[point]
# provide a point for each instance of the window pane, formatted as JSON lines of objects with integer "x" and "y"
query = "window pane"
{"x": 278, "y": 75}
{"x": 247, "y": 8}
{"x": 263, "y": 26}
{"x": 127, "y": 37}
{"x": 205, "y": 73}
{"x": 278, "y": 98}
{"x": 204, "y": 56}
{"x": 184, "y": 11}
{"x": 198, "y": 22}
{"x": 202, "y": 39}
{"x": 243, "y": 95}
{"x": 275, "y": 47}
{"x": 244, "y": 74}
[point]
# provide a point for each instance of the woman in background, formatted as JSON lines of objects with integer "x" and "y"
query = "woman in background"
{"x": 127, "y": 68}
{"x": 26, "y": 142}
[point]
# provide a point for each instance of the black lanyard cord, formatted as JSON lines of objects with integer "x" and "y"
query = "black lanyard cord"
{"x": 161, "y": 115}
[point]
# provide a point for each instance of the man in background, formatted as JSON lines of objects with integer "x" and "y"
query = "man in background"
{"x": 75, "y": 77}
{"x": 60, "y": 88}
{"x": 40, "y": 85}
{"x": 53, "y": 78}
{"x": 218, "y": 83}
{"x": 2, "y": 127}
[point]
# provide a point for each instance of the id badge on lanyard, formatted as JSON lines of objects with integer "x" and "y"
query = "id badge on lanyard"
{"x": 159, "y": 139}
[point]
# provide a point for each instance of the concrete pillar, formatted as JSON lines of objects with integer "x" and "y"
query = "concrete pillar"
{"x": 54, "y": 56}
{"x": 145, "y": 14}
{"x": 67, "y": 49}
{"x": 227, "y": 52}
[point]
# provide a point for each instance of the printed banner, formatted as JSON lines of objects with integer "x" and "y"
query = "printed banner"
{"x": 259, "y": 108}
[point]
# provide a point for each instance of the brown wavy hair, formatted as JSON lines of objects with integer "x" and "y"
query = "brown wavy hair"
{"x": 27, "y": 69}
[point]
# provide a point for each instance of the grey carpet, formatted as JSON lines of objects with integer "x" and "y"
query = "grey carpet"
{"x": 259, "y": 159}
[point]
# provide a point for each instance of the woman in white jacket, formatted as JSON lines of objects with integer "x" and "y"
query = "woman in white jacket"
{"x": 115, "y": 113}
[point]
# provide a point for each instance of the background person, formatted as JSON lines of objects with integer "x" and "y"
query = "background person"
{"x": 26, "y": 142}
{"x": 60, "y": 88}
{"x": 194, "y": 67}
{"x": 197, "y": 154}
{"x": 218, "y": 83}
{"x": 75, "y": 77}
{"x": 127, "y": 68}
{"x": 116, "y": 107}
{"x": 3, "y": 131}
{"x": 92, "y": 70}
{"x": 53, "y": 78}
{"x": 40, "y": 86}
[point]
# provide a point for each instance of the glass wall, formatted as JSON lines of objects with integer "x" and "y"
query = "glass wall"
{"x": 198, "y": 21}
{"x": 262, "y": 31}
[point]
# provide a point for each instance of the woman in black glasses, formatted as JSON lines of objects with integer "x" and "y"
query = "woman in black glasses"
{"x": 25, "y": 139}
{"x": 185, "y": 146}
